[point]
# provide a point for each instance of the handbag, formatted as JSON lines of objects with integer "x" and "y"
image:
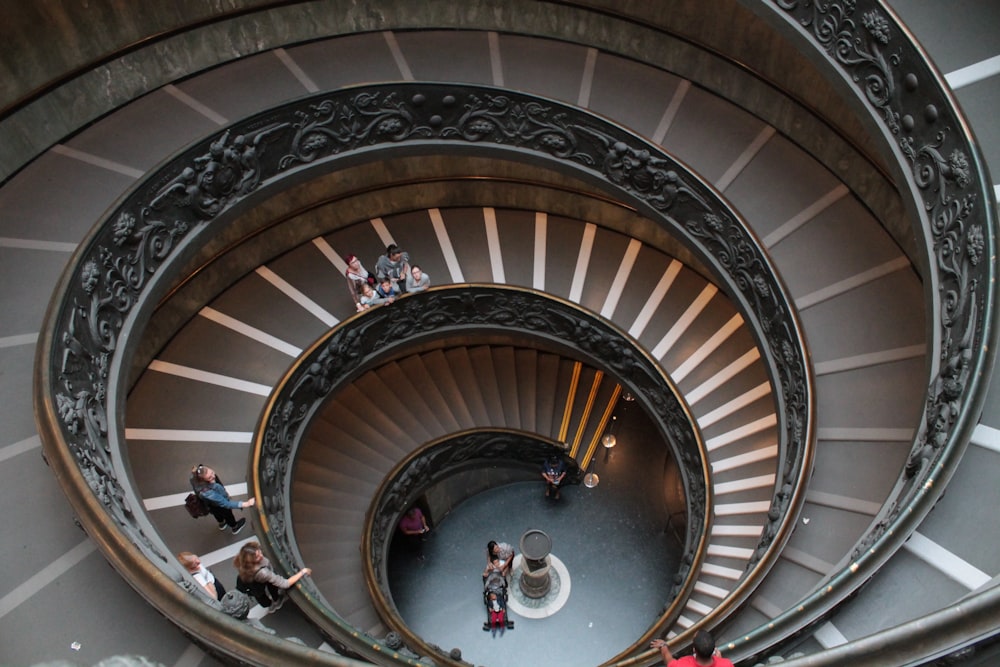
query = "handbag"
{"x": 195, "y": 506}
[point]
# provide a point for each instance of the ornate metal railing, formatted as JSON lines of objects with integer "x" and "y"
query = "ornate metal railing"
{"x": 127, "y": 263}
{"x": 370, "y": 338}
{"x": 963, "y": 634}
{"x": 83, "y": 340}
{"x": 478, "y": 450}
{"x": 954, "y": 211}
{"x": 481, "y": 449}
{"x": 632, "y": 170}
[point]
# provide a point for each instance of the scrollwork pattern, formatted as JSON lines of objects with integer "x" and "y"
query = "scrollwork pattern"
{"x": 108, "y": 286}
{"x": 856, "y": 34}
{"x": 499, "y": 118}
{"x": 193, "y": 194}
{"x": 212, "y": 181}
{"x": 895, "y": 80}
{"x": 328, "y": 126}
{"x": 111, "y": 280}
{"x": 835, "y": 27}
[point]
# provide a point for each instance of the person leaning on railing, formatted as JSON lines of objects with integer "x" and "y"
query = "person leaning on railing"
{"x": 417, "y": 280}
{"x": 202, "y": 574}
{"x": 255, "y": 577}
{"x": 394, "y": 265}
{"x": 357, "y": 277}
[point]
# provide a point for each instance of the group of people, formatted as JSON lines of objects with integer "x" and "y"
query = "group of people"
{"x": 394, "y": 275}
{"x": 496, "y": 575}
{"x": 255, "y": 577}
{"x": 496, "y": 579}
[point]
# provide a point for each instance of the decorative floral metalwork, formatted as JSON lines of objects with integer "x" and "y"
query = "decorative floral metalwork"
{"x": 943, "y": 164}
{"x": 358, "y": 343}
{"x": 214, "y": 180}
{"x": 655, "y": 179}
{"x": 128, "y": 259}
{"x": 328, "y": 127}
{"x": 834, "y": 26}
{"x": 115, "y": 276}
{"x": 108, "y": 287}
{"x": 939, "y": 159}
{"x": 498, "y": 118}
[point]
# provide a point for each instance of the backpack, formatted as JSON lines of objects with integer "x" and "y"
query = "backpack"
{"x": 195, "y": 506}
{"x": 252, "y": 588}
{"x": 255, "y": 589}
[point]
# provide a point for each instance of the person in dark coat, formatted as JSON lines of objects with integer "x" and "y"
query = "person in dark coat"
{"x": 553, "y": 472}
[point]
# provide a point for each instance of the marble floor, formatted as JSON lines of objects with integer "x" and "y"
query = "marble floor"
{"x": 616, "y": 564}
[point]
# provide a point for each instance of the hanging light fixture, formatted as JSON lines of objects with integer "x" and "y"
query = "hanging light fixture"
{"x": 590, "y": 480}
{"x": 609, "y": 440}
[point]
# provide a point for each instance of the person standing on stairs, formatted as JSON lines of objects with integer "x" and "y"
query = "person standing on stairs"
{"x": 413, "y": 522}
{"x": 705, "y": 653}
{"x": 209, "y": 488}
{"x": 414, "y": 526}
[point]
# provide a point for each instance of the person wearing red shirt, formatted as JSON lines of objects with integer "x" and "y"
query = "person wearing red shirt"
{"x": 705, "y": 653}
{"x": 413, "y": 522}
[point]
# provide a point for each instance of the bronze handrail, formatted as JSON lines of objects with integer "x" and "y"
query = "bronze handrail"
{"x": 369, "y": 338}
{"x": 980, "y": 328}
{"x": 124, "y": 266}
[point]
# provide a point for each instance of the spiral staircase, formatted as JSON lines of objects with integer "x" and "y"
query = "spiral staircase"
{"x": 807, "y": 169}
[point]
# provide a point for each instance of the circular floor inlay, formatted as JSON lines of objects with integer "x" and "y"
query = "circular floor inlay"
{"x": 553, "y": 601}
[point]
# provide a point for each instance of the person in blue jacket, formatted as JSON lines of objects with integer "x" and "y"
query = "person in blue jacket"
{"x": 209, "y": 488}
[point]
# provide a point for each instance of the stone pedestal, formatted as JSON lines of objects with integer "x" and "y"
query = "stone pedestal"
{"x": 535, "y": 579}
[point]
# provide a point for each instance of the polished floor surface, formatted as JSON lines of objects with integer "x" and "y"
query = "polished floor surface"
{"x": 612, "y": 540}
